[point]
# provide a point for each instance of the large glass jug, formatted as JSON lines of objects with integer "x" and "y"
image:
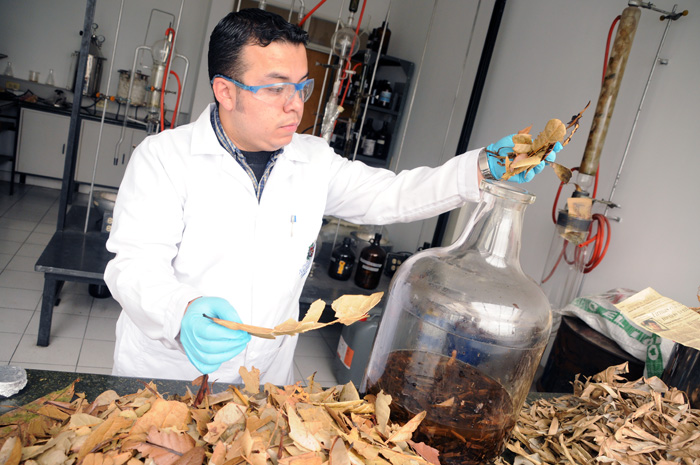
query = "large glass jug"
{"x": 462, "y": 334}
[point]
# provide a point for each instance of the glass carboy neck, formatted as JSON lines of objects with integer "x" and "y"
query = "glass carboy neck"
{"x": 495, "y": 227}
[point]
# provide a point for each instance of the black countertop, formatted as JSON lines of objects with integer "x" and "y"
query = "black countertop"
{"x": 43, "y": 382}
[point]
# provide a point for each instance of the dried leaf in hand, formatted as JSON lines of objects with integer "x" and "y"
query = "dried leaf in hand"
{"x": 525, "y": 163}
{"x": 348, "y": 309}
{"x": 352, "y": 308}
{"x": 522, "y": 143}
{"x": 554, "y": 131}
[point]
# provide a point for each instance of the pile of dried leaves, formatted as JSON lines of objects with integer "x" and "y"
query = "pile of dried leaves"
{"x": 610, "y": 420}
{"x": 286, "y": 426}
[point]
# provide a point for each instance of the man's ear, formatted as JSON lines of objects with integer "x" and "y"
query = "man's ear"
{"x": 224, "y": 94}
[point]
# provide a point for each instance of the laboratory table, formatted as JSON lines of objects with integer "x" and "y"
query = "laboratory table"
{"x": 71, "y": 255}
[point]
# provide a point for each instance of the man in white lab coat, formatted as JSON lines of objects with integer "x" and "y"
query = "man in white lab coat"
{"x": 220, "y": 216}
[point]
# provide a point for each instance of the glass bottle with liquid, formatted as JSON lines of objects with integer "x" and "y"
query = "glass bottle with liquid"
{"x": 342, "y": 261}
{"x": 462, "y": 334}
{"x": 371, "y": 264}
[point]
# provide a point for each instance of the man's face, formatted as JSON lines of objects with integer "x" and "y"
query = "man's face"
{"x": 254, "y": 125}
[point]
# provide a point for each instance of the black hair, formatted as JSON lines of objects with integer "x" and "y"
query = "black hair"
{"x": 251, "y": 26}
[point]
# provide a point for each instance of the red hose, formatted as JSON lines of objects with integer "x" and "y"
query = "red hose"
{"x": 177, "y": 100}
{"x": 165, "y": 77}
{"x": 607, "y": 46}
{"x": 603, "y": 225}
{"x": 303, "y": 20}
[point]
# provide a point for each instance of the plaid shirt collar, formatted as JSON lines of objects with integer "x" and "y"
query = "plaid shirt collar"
{"x": 227, "y": 144}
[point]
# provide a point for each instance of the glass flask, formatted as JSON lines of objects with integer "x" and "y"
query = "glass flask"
{"x": 462, "y": 334}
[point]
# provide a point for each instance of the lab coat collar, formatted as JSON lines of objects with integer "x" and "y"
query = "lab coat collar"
{"x": 204, "y": 141}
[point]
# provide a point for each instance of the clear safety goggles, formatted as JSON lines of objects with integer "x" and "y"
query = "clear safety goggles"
{"x": 279, "y": 92}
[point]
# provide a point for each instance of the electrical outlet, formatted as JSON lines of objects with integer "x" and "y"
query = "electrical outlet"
{"x": 100, "y": 104}
{"x": 12, "y": 85}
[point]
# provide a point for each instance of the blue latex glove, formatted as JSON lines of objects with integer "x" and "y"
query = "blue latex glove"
{"x": 206, "y": 343}
{"x": 503, "y": 147}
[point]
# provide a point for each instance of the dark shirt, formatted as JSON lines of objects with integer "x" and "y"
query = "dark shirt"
{"x": 257, "y": 162}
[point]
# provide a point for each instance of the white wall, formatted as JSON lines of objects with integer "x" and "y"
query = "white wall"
{"x": 548, "y": 63}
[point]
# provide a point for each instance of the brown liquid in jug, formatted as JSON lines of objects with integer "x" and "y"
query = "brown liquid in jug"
{"x": 469, "y": 415}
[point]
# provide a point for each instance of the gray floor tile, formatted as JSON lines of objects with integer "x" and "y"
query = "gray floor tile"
{"x": 31, "y": 250}
{"x": 39, "y": 238}
{"x": 62, "y": 325}
{"x": 62, "y": 351}
{"x": 75, "y": 304}
{"x": 97, "y": 354}
{"x": 19, "y": 263}
{"x": 46, "y": 228}
{"x": 106, "y": 308}
{"x": 15, "y": 235}
{"x": 22, "y": 299}
{"x": 5, "y": 259}
{"x": 14, "y": 321}
{"x": 22, "y": 280}
{"x": 9, "y": 344}
{"x": 9, "y": 247}
{"x": 101, "y": 329}
{"x": 21, "y": 225}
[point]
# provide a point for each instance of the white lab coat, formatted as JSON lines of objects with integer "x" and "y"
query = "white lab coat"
{"x": 187, "y": 223}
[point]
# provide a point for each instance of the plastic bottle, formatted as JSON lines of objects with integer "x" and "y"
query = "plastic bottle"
{"x": 462, "y": 334}
{"x": 342, "y": 261}
{"x": 369, "y": 268}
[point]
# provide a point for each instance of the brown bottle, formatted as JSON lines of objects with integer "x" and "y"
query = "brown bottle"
{"x": 369, "y": 268}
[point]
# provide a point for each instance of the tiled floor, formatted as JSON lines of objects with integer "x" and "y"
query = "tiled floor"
{"x": 82, "y": 331}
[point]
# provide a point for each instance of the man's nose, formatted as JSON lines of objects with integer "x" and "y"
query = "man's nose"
{"x": 295, "y": 101}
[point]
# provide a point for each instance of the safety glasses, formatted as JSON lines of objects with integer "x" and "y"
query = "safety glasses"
{"x": 279, "y": 92}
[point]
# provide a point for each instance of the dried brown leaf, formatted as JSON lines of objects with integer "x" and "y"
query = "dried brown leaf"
{"x": 165, "y": 447}
{"x": 11, "y": 452}
{"x": 563, "y": 173}
{"x": 405, "y": 432}
{"x": 104, "y": 433}
{"x": 348, "y": 310}
{"x": 251, "y": 379}
{"x": 163, "y": 414}
{"x": 381, "y": 407}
